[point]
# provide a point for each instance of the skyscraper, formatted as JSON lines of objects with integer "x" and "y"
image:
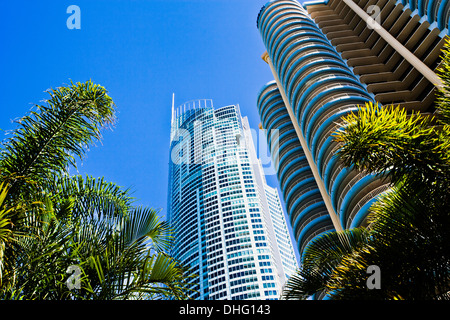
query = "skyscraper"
{"x": 228, "y": 223}
{"x": 328, "y": 57}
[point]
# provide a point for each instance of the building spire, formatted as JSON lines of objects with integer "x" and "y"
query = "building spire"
{"x": 173, "y": 105}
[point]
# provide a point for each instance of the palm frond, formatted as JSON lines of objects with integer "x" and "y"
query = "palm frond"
{"x": 145, "y": 223}
{"x": 388, "y": 140}
{"x": 89, "y": 197}
{"x": 408, "y": 241}
{"x": 320, "y": 258}
{"x": 50, "y": 222}
{"x": 48, "y": 140}
{"x": 443, "y": 96}
{"x": 5, "y": 228}
{"x": 161, "y": 277}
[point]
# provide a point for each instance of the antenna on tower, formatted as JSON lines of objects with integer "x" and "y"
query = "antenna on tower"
{"x": 173, "y": 105}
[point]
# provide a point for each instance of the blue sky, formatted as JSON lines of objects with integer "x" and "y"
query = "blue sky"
{"x": 141, "y": 52}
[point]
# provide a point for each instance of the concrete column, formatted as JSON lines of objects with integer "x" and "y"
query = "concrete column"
{"x": 319, "y": 181}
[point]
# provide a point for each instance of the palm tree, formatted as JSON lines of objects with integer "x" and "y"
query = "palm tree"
{"x": 54, "y": 226}
{"x": 409, "y": 225}
{"x": 319, "y": 261}
{"x": 409, "y": 242}
{"x": 407, "y": 235}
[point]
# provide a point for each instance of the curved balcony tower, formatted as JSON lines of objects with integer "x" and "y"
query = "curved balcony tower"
{"x": 318, "y": 88}
{"x": 419, "y": 29}
{"x": 328, "y": 57}
{"x": 305, "y": 207}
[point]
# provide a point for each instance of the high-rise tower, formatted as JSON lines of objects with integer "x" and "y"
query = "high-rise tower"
{"x": 328, "y": 57}
{"x": 228, "y": 223}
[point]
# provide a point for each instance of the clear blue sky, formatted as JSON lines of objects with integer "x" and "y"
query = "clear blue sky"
{"x": 142, "y": 51}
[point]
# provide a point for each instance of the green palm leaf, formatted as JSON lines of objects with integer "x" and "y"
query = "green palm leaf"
{"x": 47, "y": 140}
{"x": 145, "y": 223}
{"x": 50, "y": 222}
{"x": 90, "y": 197}
{"x": 387, "y": 140}
{"x": 321, "y": 257}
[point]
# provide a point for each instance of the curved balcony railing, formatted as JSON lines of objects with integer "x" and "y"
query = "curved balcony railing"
{"x": 298, "y": 186}
{"x": 436, "y": 11}
{"x": 321, "y": 89}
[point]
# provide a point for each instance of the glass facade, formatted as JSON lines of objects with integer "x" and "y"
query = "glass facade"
{"x": 225, "y": 229}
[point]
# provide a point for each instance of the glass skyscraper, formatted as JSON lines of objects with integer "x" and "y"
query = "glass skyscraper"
{"x": 228, "y": 224}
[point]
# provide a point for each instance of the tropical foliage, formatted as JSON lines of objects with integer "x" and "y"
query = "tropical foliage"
{"x": 408, "y": 234}
{"x": 74, "y": 237}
